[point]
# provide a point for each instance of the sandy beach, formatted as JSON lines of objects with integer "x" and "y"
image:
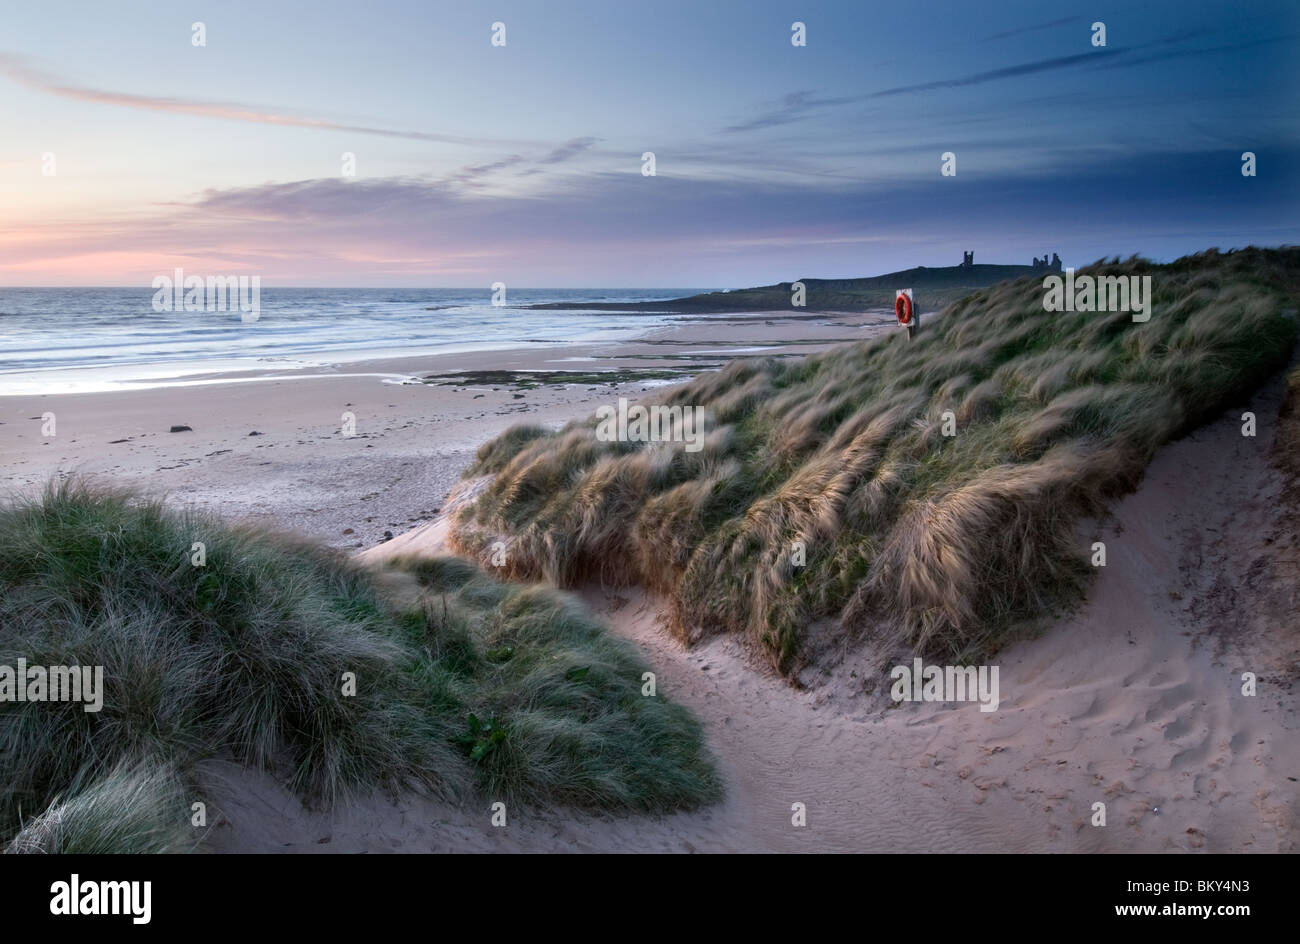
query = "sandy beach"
{"x": 412, "y": 439}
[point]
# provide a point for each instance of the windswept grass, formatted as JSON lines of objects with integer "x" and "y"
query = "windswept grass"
{"x": 244, "y": 657}
{"x": 129, "y": 810}
{"x": 558, "y": 702}
{"x": 914, "y": 539}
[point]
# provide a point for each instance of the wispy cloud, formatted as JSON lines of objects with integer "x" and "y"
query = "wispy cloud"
{"x": 569, "y": 149}
{"x": 1035, "y": 28}
{"x": 797, "y": 106}
{"x": 792, "y": 107}
{"x": 473, "y": 174}
{"x": 477, "y": 175}
{"x": 18, "y": 71}
{"x": 1204, "y": 51}
{"x": 1006, "y": 72}
{"x": 359, "y": 231}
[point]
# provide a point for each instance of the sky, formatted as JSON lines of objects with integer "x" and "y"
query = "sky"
{"x": 129, "y": 151}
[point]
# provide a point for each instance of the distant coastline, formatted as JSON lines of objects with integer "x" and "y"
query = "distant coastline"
{"x": 935, "y": 287}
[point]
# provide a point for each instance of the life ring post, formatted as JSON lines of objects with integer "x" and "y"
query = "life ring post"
{"x": 905, "y": 311}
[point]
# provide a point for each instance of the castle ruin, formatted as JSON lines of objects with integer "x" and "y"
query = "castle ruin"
{"x": 1044, "y": 264}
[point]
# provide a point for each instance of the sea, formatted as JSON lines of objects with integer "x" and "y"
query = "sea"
{"x": 86, "y": 340}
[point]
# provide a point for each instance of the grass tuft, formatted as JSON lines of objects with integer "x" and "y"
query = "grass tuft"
{"x": 131, "y": 810}
{"x": 246, "y": 655}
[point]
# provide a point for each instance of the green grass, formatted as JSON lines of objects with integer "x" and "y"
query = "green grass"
{"x": 915, "y": 541}
{"x": 128, "y": 810}
{"x": 556, "y": 710}
{"x": 244, "y": 658}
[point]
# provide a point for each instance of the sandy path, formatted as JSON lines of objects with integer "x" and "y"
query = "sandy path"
{"x": 1134, "y": 702}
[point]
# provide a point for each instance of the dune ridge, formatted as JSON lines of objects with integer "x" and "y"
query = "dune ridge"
{"x": 934, "y": 486}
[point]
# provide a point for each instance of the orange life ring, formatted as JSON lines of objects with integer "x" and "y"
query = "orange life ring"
{"x": 903, "y": 310}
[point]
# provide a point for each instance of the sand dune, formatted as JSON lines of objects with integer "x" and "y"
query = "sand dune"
{"x": 1135, "y": 702}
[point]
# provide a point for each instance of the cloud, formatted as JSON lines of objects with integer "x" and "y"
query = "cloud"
{"x": 15, "y": 68}
{"x": 472, "y": 173}
{"x": 324, "y": 200}
{"x": 421, "y": 230}
{"x": 797, "y": 106}
{"x": 569, "y": 149}
{"x": 1033, "y": 29}
{"x": 1204, "y": 51}
{"x": 1006, "y": 72}
{"x": 792, "y": 107}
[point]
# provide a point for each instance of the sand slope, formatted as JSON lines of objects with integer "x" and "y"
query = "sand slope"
{"x": 1134, "y": 702}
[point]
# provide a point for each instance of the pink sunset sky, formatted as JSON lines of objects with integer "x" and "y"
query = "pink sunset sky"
{"x": 131, "y": 151}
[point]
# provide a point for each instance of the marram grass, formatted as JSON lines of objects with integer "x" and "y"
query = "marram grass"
{"x": 131, "y": 809}
{"x": 463, "y": 688}
{"x": 915, "y": 540}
